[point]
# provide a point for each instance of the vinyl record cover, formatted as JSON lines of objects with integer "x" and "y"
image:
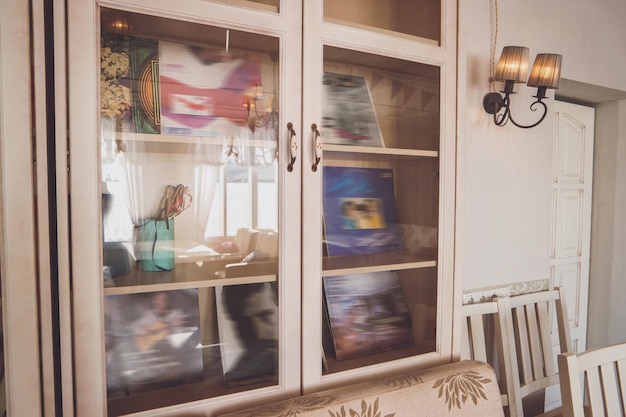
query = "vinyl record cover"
{"x": 359, "y": 211}
{"x": 202, "y": 91}
{"x": 367, "y": 313}
{"x": 115, "y": 82}
{"x": 152, "y": 340}
{"x": 144, "y": 58}
{"x": 247, "y": 319}
{"x": 348, "y": 116}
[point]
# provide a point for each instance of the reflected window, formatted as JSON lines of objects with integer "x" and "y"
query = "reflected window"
{"x": 248, "y": 198}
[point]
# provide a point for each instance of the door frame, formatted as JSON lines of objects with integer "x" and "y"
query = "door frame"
{"x": 18, "y": 246}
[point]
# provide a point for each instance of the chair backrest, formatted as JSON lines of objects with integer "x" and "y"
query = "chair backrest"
{"x": 603, "y": 372}
{"x": 477, "y": 341}
{"x": 525, "y": 328}
{"x": 245, "y": 239}
{"x": 474, "y": 337}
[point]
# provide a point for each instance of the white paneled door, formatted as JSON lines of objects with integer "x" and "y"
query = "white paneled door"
{"x": 571, "y": 220}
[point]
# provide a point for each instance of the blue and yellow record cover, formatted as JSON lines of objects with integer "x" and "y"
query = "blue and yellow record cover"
{"x": 359, "y": 211}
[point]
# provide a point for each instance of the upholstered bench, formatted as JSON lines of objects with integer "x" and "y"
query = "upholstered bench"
{"x": 466, "y": 388}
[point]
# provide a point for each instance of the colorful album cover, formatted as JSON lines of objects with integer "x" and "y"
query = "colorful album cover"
{"x": 152, "y": 340}
{"x": 247, "y": 321}
{"x": 115, "y": 81}
{"x": 203, "y": 92}
{"x": 348, "y": 115}
{"x": 367, "y": 313}
{"x": 359, "y": 211}
{"x": 144, "y": 59}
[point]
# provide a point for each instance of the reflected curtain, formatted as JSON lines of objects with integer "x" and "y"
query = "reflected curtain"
{"x": 246, "y": 147}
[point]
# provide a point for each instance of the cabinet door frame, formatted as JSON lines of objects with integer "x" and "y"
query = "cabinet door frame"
{"x": 18, "y": 249}
{"x": 317, "y": 34}
{"x": 84, "y": 295}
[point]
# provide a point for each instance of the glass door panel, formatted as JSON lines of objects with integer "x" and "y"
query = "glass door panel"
{"x": 381, "y": 316}
{"x": 189, "y": 139}
{"x": 397, "y": 102}
{"x": 380, "y": 204}
{"x": 415, "y": 18}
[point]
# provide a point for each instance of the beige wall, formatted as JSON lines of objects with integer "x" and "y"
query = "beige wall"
{"x": 589, "y": 34}
{"x": 608, "y": 241}
{"x": 505, "y": 207}
{"x": 505, "y": 173}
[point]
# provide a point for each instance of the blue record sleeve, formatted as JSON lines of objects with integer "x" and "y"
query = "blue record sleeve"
{"x": 359, "y": 211}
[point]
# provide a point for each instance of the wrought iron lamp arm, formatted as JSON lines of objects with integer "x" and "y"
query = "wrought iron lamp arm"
{"x": 494, "y": 102}
{"x": 532, "y": 108}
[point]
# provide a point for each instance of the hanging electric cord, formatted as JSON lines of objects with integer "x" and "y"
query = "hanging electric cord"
{"x": 492, "y": 63}
{"x": 175, "y": 200}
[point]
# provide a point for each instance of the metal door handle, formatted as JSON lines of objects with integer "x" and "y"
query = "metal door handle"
{"x": 317, "y": 147}
{"x": 293, "y": 146}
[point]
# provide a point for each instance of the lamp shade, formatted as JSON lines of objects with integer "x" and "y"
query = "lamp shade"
{"x": 546, "y": 71}
{"x": 513, "y": 64}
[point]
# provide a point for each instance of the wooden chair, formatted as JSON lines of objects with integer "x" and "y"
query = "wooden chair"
{"x": 478, "y": 342}
{"x": 603, "y": 372}
{"x": 525, "y": 327}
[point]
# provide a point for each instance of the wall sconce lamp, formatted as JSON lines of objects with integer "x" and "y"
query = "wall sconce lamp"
{"x": 513, "y": 68}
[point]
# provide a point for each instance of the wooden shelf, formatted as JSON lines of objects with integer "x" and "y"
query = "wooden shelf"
{"x": 163, "y": 138}
{"x": 183, "y": 276}
{"x": 252, "y": 5}
{"x": 343, "y": 265}
{"x": 346, "y": 149}
{"x": 161, "y": 143}
{"x": 334, "y": 365}
{"x": 381, "y": 31}
{"x": 212, "y": 385}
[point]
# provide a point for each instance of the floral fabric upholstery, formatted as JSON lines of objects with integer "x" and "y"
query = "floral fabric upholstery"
{"x": 466, "y": 388}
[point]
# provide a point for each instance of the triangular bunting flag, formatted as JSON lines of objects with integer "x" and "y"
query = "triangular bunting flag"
{"x": 376, "y": 78}
{"x": 426, "y": 98}
{"x": 396, "y": 87}
{"x": 408, "y": 93}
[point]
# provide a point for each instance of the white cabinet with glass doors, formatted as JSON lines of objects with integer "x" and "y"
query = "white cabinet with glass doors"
{"x": 261, "y": 204}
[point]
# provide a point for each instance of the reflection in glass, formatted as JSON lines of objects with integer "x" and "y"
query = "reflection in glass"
{"x": 380, "y": 185}
{"x": 238, "y": 190}
{"x": 189, "y": 139}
